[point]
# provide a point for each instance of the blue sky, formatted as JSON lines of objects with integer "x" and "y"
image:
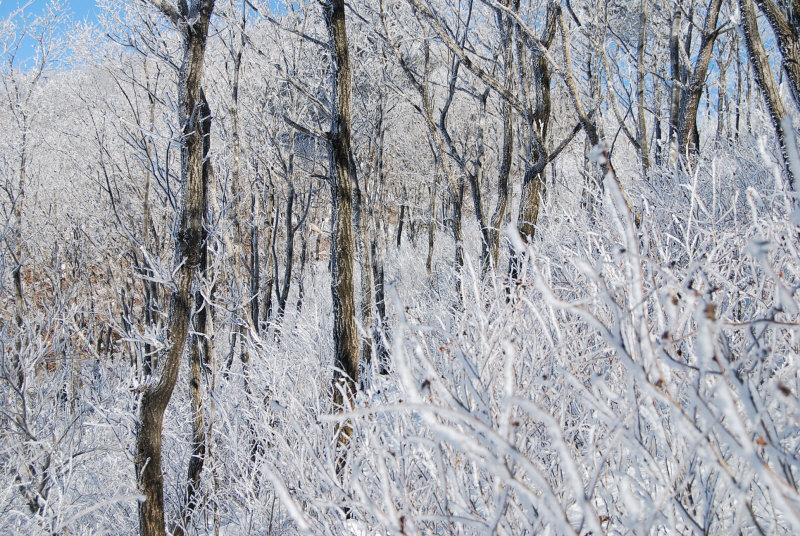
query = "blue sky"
{"x": 79, "y": 9}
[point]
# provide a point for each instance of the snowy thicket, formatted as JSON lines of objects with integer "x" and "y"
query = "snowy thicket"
{"x": 639, "y": 376}
{"x": 634, "y": 381}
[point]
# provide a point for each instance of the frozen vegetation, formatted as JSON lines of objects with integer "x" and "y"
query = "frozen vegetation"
{"x": 636, "y": 372}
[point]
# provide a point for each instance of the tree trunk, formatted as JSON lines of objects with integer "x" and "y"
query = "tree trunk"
{"x": 690, "y": 100}
{"x": 188, "y": 253}
{"x": 538, "y": 119}
{"x": 432, "y": 223}
{"x": 199, "y": 345}
{"x": 785, "y": 24}
{"x": 476, "y": 185}
{"x": 283, "y": 290}
{"x": 640, "y": 83}
{"x": 675, "y": 68}
{"x": 769, "y": 89}
{"x": 342, "y": 169}
{"x": 401, "y": 219}
{"x": 507, "y": 152}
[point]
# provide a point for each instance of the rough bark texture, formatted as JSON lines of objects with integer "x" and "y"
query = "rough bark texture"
{"x": 188, "y": 243}
{"x": 690, "y": 101}
{"x": 785, "y": 23}
{"x": 199, "y": 347}
{"x": 538, "y": 122}
{"x": 345, "y": 335}
{"x": 283, "y": 289}
{"x": 769, "y": 89}
{"x": 507, "y": 152}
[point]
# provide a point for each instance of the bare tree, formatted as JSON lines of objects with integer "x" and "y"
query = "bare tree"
{"x": 21, "y": 78}
{"x": 343, "y": 247}
{"x": 192, "y": 22}
{"x": 759, "y": 60}
{"x": 784, "y": 18}
{"x": 690, "y": 97}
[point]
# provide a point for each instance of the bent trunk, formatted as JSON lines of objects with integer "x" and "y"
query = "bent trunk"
{"x": 188, "y": 242}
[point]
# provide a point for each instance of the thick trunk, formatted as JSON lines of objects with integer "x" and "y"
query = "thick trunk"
{"x": 188, "y": 253}
{"x": 785, "y": 25}
{"x": 769, "y": 89}
{"x": 283, "y": 290}
{"x": 690, "y": 100}
{"x": 538, "y": 122}
{"x": 199, "y": 346}
{"x": 345, "y": 335}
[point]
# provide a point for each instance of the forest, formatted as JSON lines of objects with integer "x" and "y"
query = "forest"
{"x": 400, "y": 267}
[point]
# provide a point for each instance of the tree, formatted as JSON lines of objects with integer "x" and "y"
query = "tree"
{"x": 690, "y": 97}
{"x": 784, "y": 18}
{"x": 343, "y": 252}
{"x": 759, "y": 60}
{"x": 21, "y": 78}
{"x": 192, "y": 22}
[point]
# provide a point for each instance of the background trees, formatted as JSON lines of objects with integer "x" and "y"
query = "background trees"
{"x": 425, "y": 210}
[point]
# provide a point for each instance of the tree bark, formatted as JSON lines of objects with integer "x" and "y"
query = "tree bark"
{"x": 199, "y": 354}
{"x": 188, "y": 242}
{"x": 640, "y": 83}
{"x": 342, "y": 169}
{"x": 675, "y": 68}
{"x": 507, "y": 152}
{"x": 401, "y": 219}
{"x": 690, "y": 100}
{"x": 538, "y": 119}
{"x": 785, "y": 25}
{"x": 766, "y": 82}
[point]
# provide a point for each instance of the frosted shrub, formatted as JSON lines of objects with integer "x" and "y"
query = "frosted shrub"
{"x": 634, "y": 381}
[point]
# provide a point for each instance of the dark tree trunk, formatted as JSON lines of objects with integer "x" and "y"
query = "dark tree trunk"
{"x": 342, "y": 169}
{"x": 283, "y": 290}
{"x": 675, "y": 68}
{"x": 690, "y": 100}
{"x": 401, "y": 220}
{"x": 199, "y": 345}
{"x": 432, "y": 224}
{"x": 188, "y": 253}
{"x": 538, "y": 120}
{"x": 769, "y": 89}
{"x": 785, "y": 23}
{"x": 507, "y": 153}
